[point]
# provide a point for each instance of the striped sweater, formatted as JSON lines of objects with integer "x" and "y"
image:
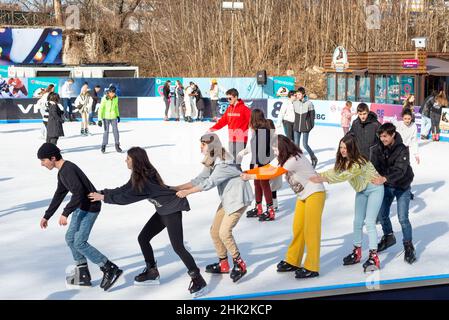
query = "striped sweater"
{"x": 358, "y": 176}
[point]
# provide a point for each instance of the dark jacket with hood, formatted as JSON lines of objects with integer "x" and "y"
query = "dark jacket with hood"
{"x": 393, "y": 163}
{"x": 365, "y": 133}
{"x": 164, "y": 199}
{"x": 55, "y": 121}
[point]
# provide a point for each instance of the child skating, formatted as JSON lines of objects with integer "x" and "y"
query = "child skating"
{"x": 222, "y": 172}
{"x": 146, "y": 184}
{"x": 84, "y": 213}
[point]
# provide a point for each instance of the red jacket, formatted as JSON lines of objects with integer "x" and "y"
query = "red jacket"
{"x": 237, "y": 119}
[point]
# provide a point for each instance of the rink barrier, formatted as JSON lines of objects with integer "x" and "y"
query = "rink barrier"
{"x": 348, "y": 288}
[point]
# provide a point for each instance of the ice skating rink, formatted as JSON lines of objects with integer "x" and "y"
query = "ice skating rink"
{"x": 33, "y": 262}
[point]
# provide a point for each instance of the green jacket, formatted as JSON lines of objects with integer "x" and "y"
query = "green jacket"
{"x": 108, "y": 109}
{"x": 358, "y": 176}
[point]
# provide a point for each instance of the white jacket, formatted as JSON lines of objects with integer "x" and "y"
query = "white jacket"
{"x": 409, "y": 136}
{"x": 67, "y": 90}
{"x": 286, "y": 113}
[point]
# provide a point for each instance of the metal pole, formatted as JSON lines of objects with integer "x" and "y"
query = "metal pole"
{"x": 232, "y": 43}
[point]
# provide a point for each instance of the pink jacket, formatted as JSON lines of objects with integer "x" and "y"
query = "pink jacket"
{"x": 346, "y": 116}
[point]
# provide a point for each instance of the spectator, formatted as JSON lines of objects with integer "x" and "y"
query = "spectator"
{"x": 67, "y": 94}
{"x": 214, "y": 96}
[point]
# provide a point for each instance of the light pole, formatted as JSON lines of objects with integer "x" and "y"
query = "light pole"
{"x": 232, "y": 6}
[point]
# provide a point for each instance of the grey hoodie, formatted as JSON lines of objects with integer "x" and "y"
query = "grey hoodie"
{"x": 304, "y": 115}
{"x": 233, "y": 191}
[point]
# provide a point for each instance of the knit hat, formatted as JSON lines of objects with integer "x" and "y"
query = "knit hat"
{"x": 48, "y": 150}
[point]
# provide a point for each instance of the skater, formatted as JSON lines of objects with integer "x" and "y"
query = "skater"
{"x": 236, "y": 195}
{"x": 96, "y": 104}
{"x": 55, "y": 120}
{"x": 364, "y": 129}
{"x": 409, "y": 132}
{"x": 308, "y": 211}
{"x": 236, "y": 117}
{"x": 84, "y": 104}
{"x": 391, "y": 159}
{"x": 109, "y": 112}
{"x": 304, "y": 122}
{"x": 426, "y": 123}
{"x": 146, "y": 184}
{"x": 199, "y": 103}
{"x": 167, "y": 98}
{"x": 43, "y": 107}
{"x": 179, "y": 101}
{"x": 67, "y": 94}
{"x": 84, "y": 213}
{"x": 214, "y": 96}
{"x": 435, "y": 114}
{"x": 261, "y": 148}
{"x": 286, "y": 118}
{"x": 352, "y": 166}
{"x": 409, "y": 103}
{"x": 346, "y": 115}
{"x": 190, "y": 102}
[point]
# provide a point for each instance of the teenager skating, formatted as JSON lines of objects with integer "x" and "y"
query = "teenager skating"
{"x": 110, "y": 115}
{"x": 146, "y": 184}
{"x": 84, "y": 213}
{"x": 351, "y": 166}
{"x": 221, "y": 172}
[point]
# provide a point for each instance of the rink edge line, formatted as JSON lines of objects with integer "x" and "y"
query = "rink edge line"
{"x": 327, "y": 288}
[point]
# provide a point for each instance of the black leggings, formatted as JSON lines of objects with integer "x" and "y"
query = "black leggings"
{"x": 173, "y": 223}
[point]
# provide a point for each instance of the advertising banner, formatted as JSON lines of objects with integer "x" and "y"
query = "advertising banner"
{"x": 159, "y": 86}
{"x": 13, "y": 88}
{"x": 3, "y": 71}
{"x": 37, "y": 86}
{"x": 282, "y": 85}
{"x": 30, "y": 46}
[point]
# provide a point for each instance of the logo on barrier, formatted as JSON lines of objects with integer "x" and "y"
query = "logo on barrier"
{"x": 276, "y": 109}
{"x": 28, "y": 108}
{"x": 320, "y": 116}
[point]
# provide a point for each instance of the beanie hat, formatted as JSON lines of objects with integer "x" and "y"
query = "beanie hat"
{"x": 48, "y": 150}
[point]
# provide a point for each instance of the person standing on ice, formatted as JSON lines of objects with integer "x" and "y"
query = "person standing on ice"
{"x": 109, "y": 112}
{"x": 364, "y": 129}
{"x": 352, "y": 166}
{"x": 304, "y": 122}
{"x": 391, "y": 159}
{"x": 221, "y": 172}
{"x": 286, "y": 118}
{"x": 55, "y": 113}
{"x": 84, "y": 213}
{"x": 308, "y": 211}
{"x": 84, "y": 104}
{"x": 67, "y": 93}
{"x": 236, "y": 117}
{"x": 43, "y": 107}
{"x": 146, "y": 184}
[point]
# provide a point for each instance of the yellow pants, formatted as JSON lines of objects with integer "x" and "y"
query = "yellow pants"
{"x": 307, "y": 232}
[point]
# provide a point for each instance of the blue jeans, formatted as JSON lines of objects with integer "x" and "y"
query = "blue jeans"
{"x": 305, "y": 142}
{"x": 77, "y": 236}
{"x": 67, "y": 104}
{"x": 367, "y": 205}
{"x": 403, "y": 200}
{"x": 426, "y": 125}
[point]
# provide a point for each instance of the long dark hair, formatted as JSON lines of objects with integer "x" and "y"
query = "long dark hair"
{"x": 353, "y": 155}
{"x": 142, "y": 169}
{"x": 287, "y": 149}
{"x": 258, "y": 120}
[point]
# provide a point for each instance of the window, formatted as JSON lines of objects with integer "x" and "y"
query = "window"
{"x": 351, "y": 88}
{"x": 365, "y": 89}
{"x": 341, "y": 87}
{"x": 393, "y": 91}
{"x": 380, "y": 93}
{"x": 331, "y": 87}
{"x": 407, "y": 86}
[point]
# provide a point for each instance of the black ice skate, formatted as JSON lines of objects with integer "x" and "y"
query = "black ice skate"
{"x": 117, "y": 148}
{"x": 219, "y": 268}
{"x": 80, "y": 277}
{"x": 111, "y": 273}
{"x": 269, "y": 215}
{"x": 103, "y": 149}
{"x": 386, "y": 242}
{"x": 239, "y": 269}
{"x": 148, "y": 277}
{"x": 373, "y": 262}
{"x": 410, "y": 255}
{"x": 303, "y": 273}
{"x": 354, "y": 257}
{"x": 198, "y": 286}
{"x": 256, "y": 212}
{"x": 285, "y": 267}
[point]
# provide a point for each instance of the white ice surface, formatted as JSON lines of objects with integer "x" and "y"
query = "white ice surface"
{"x": 33, "y": 262}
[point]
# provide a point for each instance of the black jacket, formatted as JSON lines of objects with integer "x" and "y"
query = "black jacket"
{"x": 166, "y": 92}
{"x": 393, "y": 163}
{"x": 365, "y": 133}
{"x": 427, "y": 105}
{"x": 71, "y": 178}
{"x": 163, "y": 198}
{"x": 55, "y": 121}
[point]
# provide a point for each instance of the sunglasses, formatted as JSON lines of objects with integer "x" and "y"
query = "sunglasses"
{"x": 230, "y": 98}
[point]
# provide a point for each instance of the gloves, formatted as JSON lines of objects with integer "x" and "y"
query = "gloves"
{"x": 118, "y": 119}
{"x": 100, "y": 123}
